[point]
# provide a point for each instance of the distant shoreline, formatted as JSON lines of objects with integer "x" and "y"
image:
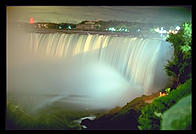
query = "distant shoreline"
{"x": 85, "y": 32}
{"x": 48, "y": 31}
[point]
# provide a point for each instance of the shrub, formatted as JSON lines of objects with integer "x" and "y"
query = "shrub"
{"x": 179, "y": 116}
{"x": 180, "y": 67}
{"x": 151, "y": 114}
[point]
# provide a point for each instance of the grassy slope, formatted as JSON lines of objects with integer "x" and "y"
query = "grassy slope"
{"x": 47, "y": 119}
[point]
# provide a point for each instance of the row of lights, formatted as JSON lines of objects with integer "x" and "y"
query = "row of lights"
{"x": 31, "y": 21}
{"x": 162, "y": 31}
{"x": 42, "y": 26}
{"x": 69, "y": 27}
{"x": 120, "y": 29}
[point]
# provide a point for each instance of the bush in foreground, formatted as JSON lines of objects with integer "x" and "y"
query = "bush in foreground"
{"x": 179, "y": 68}
{"x": 179, "y": 116}
{"x": 151, "y": 114}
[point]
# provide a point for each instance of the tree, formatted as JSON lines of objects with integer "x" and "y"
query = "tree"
{"x": 180, "y": 67}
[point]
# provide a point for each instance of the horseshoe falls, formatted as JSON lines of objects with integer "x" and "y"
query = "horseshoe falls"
{"x": 86, "y": 71}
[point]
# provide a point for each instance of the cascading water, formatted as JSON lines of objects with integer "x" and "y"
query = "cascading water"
{"x": 98, "y": 71}
{"x": 136, "y": 59}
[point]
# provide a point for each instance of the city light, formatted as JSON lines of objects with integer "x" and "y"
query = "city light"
{"x": 69, "y": 27}
{"x": 161, "y": 31}
{"x": 112, "y": 29}
{"x": 60, "y": 27}
{"x": 119, "y": 29}
{"x": 172, "y": 31}
{"x": 31, "y": 20}
{"x": 177, "y": 28}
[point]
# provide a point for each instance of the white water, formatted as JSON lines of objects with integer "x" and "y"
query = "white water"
{"x": 94, "y": 71}
{"x": 136, "y": 59}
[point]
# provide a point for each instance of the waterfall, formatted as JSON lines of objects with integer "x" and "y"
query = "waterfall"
{"x": 139, "y": 60}
{"x": 83, "y": 71}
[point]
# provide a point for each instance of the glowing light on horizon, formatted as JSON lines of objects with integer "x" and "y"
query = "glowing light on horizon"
{"x": 177, "y": 28}
{"x": 60, "y": 27}
{"x": 161, "y": 31}
{"x": 69, "y": 27}
{"x": 31, "y": 20}
{"x": 112, "y": 29}
{"x": 162, "y": 94}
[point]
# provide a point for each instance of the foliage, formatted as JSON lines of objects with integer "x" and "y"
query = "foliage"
{"x": 167, "y": 90}
{"x": 15, "y": 118}
{"x": 180, "y": 67}
{"x": 179, "y": 116}
{"x": 151, "y": 114}
{"x": 59, "y": 119}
